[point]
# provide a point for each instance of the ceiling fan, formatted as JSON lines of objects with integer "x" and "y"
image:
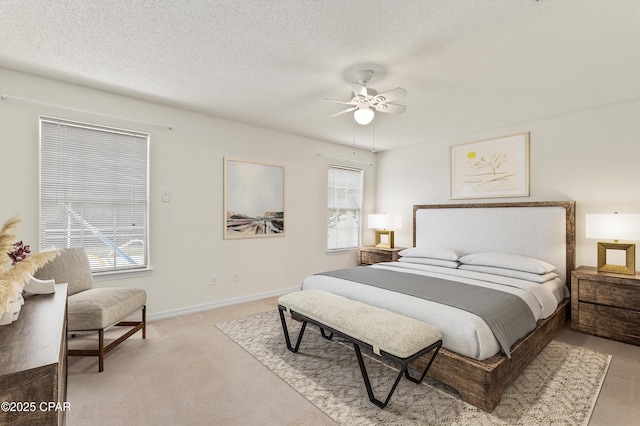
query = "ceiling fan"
{"x": 366, "y": 101}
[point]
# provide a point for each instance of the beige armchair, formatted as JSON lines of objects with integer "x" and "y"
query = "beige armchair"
{"x": 94, "y": 309}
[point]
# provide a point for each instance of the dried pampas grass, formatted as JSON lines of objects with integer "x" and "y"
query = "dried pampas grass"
{"x": 13, "y": 278}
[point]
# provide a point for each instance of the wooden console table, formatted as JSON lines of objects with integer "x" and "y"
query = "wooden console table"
{"x": 33, "y": 362}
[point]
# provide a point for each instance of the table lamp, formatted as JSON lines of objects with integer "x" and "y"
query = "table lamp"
{"x": 614, "y": 227}
{"x": 384, "y": 224}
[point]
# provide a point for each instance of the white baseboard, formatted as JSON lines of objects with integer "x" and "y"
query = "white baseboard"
{"x": 218, "y": 304}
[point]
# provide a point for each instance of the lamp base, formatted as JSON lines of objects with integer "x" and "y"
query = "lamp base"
{"x": 384, "y": 239}
{"x": 629, "y": 268}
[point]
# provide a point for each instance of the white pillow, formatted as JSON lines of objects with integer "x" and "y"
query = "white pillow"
{"x": 431, "y": 252}
{"x": 512, "y": 273}
{"x": 429, "y": 261}
{"x": 509, "y": 261}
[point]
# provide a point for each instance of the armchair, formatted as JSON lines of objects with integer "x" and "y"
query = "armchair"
{"x": 92, "y": 309}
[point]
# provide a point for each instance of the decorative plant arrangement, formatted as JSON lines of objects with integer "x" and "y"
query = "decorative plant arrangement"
{"x": 19, "y": 253}
{"x": 16, "y": 264}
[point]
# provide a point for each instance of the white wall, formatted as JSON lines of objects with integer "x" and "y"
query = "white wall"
{"x": 592, "y": 157}
{"x": 186, "y": 242}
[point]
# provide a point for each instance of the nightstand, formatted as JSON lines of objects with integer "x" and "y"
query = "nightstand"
{"x": 606, "y": 304}
{"x": 369, "y": 255}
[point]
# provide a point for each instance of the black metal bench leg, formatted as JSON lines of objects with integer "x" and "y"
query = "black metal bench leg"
{"x": 329, "y": 337}
{"x": 367, "y": 383}
{"x": 424, "y": 373}
{"x": 286, "y": 333}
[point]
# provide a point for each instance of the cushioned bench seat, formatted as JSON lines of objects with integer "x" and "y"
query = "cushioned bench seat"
{"x": 103, "y": 307}
{"x": 388, "y": 334}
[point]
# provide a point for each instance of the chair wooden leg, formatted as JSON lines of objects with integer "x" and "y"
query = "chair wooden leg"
{"x": 100, "y": 350}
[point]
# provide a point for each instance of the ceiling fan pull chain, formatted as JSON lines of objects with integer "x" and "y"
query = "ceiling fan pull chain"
{"x": 353, "y": 149}
{"x": 373, "y": 148}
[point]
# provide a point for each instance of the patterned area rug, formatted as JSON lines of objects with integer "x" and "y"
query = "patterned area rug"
{"x": 559, "y": 387}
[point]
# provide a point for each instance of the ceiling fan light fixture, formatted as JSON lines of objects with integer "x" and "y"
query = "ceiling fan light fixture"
{"x": 363, "y": 116}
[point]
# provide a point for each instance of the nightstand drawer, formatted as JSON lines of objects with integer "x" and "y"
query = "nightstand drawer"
{"x": 370, "y": 258}
{"x": 369, "y": 255}
{"x": 612, "y": 294}
{"x": 608, "y": 320}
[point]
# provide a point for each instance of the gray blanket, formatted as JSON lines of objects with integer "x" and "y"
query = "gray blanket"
{"x": 508, "y": 316}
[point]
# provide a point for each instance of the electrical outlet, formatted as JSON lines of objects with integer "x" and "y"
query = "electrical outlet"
{"x": 236, "y": 276}
{"x": 214, "y": 280}
{"x": 166, "y": 196}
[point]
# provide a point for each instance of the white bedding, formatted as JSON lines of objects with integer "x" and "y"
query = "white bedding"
{"x": 464, "y": 332}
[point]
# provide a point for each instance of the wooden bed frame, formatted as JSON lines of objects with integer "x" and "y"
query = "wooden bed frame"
{"x": 481, "y": 383}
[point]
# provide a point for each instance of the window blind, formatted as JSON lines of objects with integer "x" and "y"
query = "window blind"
{"x": 344, "y": 207}
{"x": 93, "y": 192}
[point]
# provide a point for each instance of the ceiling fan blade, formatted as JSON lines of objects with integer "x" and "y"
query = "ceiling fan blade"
{"x": 344, "y": 111}
{"x": 350, "y": 102}
{"x": 391, "y": 108}
{"x": 391, "y": 95}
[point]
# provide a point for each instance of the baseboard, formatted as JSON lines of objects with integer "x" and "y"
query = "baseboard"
{"x": 218, "y": 304}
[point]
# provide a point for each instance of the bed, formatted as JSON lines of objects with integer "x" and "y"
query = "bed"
{"x": 472, "y": 361}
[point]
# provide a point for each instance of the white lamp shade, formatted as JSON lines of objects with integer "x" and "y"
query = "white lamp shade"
{"x": 613, "y": 226}
{"x": 363, "y": 115}
{"x": 384, "y": 221}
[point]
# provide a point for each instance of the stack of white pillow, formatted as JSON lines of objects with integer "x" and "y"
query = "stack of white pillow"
{"x": 504, "y": 264}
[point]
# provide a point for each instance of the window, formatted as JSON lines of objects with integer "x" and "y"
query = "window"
{"x": 344, "y": 208}
{"x": 93, "y": 192}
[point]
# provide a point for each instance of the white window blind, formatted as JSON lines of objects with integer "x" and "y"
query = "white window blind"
{"x": 344, "y": 208}
{"x": 93, "y": 192}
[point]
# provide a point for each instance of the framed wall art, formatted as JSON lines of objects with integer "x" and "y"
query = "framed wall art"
{"x": 490, "y": 168}
{"x": 253, "y": 199}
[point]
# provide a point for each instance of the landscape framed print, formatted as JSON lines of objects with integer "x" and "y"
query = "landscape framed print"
{"x": 490, "y": 168}
{"x": 253, "y": 199}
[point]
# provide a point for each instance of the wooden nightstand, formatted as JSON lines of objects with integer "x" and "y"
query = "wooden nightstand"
{"x": 606, "y": 304}
{"x": 369, "y": 255}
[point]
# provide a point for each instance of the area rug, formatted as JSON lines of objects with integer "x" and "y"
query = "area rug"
{"x": 559, "y": 387}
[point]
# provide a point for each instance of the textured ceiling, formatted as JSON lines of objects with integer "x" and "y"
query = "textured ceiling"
{"x": 468, "y": 65}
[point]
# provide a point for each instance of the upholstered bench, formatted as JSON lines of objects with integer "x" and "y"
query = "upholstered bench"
{"x": 97, "y": 309}
{"x": 388, "y": 334}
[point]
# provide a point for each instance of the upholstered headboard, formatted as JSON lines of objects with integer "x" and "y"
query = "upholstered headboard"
{"x": 542, "y": 230}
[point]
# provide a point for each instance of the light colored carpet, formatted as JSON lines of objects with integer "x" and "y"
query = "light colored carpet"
{"x": 559, "y": 387}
